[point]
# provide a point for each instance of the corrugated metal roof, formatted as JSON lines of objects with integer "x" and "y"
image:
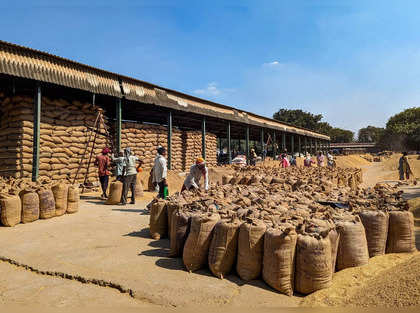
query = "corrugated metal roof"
{"x": 24, "y": 62}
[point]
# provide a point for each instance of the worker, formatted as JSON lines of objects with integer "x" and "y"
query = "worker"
{"x": 284, "y": 161}
{"x": 129, "y": 173}
{"x": 252, "y": 157}
{"x": 330, "y": 159}
{"x": 293, "y": 161}
{"x": 404, "y": 167}
{"x": 199, "y": 169}
{"x": 103, "y": 162}
{"x": 308, "y": 161}
{"x": 160, "y": 172}
{"x": 320, "y": 159}
{"x": 264, "y": 152}
{"x": 119, "y": 165}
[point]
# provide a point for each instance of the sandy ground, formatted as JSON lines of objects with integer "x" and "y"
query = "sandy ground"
{"x": 86, "y": 259}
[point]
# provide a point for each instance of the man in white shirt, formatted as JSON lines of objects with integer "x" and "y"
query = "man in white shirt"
{"x": 160, "y": 172}
{"x": 198, "y": 170}
{"x": 129, "y": 176}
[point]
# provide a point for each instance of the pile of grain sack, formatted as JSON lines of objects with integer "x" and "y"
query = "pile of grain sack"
{"x": 22, "y": 201}
{"x": 293, "y": 232}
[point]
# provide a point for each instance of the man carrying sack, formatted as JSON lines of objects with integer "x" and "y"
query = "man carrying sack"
{"x": 129, "y": 176}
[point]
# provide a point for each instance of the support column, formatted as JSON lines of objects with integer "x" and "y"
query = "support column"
{"x": 305, "y": 142}
{"x": 203, "y": 138}
{"x": 229, "y": 147}
{"x": 292, "y": 142}
{"x": 36, "y": 136}
{"x": 118, "y": 126}
{"x": 299, "y": 145}
{"x": 247, "y": 145}
{"x": 283, "y": 142}
{"x": 274, "y": 146}
{"x": 262, "y": 140}
{"x": 169, "y": 143}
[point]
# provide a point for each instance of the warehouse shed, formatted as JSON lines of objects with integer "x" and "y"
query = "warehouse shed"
{"x": 54, "y": 110}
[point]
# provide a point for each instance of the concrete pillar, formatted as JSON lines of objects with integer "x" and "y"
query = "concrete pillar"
{"x": 37, "y": 130}
{"x": 169, "y": 142}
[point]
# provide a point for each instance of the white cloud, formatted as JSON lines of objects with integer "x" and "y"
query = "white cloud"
{"x": 212, "y": 90}
{"x": 272, "y": 64}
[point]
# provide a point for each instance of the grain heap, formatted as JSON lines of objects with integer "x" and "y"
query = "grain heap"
{"x": 25, "y": 201}
{"x": 286, "y": 230}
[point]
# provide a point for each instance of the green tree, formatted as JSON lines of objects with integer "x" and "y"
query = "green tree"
{"x": 313, "y": 122}
{"x": 298, "y": 118}
{"x": 370, "y": 134}
{"x": 405, "y": 127}
{"x": 341, "y": 135}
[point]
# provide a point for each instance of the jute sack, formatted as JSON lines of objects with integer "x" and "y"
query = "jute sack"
{"x": 226, "y": 179}
{"x": 250, "y": 249}
{"x": 223, "y": 247}
{"x": 10, "y": 209}
{"x": 352, "y": 248}
{"x": 171, "y": 207}
{"x": 115, "y": 192}
{"x": 73, "y": 198}
{"x": 279, "y": 258}
{"x": 313, "y": 264}
{"x": 46, "y": 203}
{"x": 376, "y": 227}
{"x": 60, "y": 192}
{"x": 158, "y": 220}
{"x": 30, "y": 205}
{"x": 401, "y": 236}
{"x": 178, "y": 232}
{"x": 198, "y": 241}
{"x": 138, "y": 192}
{"x": 334, "y": 237}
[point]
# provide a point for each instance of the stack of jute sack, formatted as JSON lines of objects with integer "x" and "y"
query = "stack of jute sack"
{"x": 16, "y": 132}
{"x": 144, "y": 139}
{"x": 65, "y": 130}
{"x": 193, "y": 148}
{"x": 292, "y": 177}
{"x": 22, "y": 201}
{"x": 288, "y": 237}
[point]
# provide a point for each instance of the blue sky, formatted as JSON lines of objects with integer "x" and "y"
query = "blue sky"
{"x": 355, "y": 62}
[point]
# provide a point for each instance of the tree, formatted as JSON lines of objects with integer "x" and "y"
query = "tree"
{"x": 313, "y": 122}
{"x": 370, "y": 134}
{"x": 341, "y": 135}
{"x": 298, "y": 118}
{"x": 405, "y": 127}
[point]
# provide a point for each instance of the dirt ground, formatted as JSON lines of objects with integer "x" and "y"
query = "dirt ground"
{"x": 102, "y": 256}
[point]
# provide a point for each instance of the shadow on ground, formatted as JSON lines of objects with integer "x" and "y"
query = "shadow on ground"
{"x": 175, "y": 263}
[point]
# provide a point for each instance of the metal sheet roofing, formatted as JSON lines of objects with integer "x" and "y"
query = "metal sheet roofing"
{"x": 33, "y": 64}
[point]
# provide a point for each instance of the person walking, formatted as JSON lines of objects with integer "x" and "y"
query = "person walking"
{"x": 330, "y": 159}
{"x": 119, "y": 165}
{"x": 103, "y": 162}
{"x": 320, "y": 159}
{"x": 160, "y": 172}
{"x": 198, "y": 170}
{"x": 252, "y": 157}
{"x": 129, "y": 176}
{"x": 404, "y": 167}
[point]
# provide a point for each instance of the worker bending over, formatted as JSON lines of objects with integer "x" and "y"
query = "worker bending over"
{"x": 196, "y": 171}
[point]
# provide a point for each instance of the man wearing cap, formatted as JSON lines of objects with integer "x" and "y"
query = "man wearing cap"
{"x": 160, "y": 172}
{"x": 103, "y": 162}
{"x": 198, "y": 170}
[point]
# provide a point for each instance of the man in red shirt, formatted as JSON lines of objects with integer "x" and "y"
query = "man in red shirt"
{"x": 103, "y": 163}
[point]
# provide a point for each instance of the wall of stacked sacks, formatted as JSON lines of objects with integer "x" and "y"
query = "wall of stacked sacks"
{"x": 65, "y": 128}
{"x": 291, "y": 227}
